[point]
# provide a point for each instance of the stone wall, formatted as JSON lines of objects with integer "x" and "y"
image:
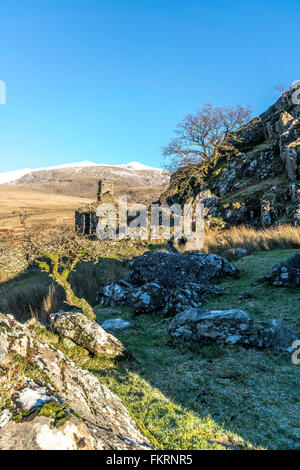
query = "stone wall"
{"x": 85, "y": 217}
{"x": 105, "y": 187}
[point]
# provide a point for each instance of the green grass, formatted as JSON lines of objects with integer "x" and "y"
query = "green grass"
{"x": 269, "y": 302}
{"x": 253, "y": 394}
{"x": 213, "y": 397}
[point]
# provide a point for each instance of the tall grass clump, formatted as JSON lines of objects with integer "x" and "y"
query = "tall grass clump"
{"x": 275, "y": 238}
{"x": 38, "y": 300}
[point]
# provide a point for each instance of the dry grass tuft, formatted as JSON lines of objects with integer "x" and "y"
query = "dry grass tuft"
{"x": 275, "y": 238}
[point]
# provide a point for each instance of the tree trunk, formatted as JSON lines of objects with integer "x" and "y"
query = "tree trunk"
{"x": 74, "y": 301}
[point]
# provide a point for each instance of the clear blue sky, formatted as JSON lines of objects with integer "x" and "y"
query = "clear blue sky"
{"x": 108, "y": 81}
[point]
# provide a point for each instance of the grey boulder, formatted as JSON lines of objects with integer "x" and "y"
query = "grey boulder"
{"x": 214, "y": 327}
{"x": 191, "y": 295}
{"x": 149, "y": 298}
{"x": 114, "y": 293}
{"x": 152, "y": 297}
{"x": 277, "y": 336}
{"x": 180, "y": 299}
{"x": 230, "y": 327}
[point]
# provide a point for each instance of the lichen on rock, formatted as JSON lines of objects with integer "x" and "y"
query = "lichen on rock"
{"x": 86, "y": 333}
{"x": 74, "y": 411}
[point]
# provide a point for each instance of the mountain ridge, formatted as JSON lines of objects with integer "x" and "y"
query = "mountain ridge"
{"x": 15, "y": 175}
{"x": 51, "y": 195}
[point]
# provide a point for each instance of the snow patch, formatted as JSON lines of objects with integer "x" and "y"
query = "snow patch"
{"x": 33, "y": 398}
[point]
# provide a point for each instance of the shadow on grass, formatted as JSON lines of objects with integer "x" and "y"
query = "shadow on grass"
{"x": 213, "y": 397}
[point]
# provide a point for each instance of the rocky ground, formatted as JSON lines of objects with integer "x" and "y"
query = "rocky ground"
{"x": 177, "y": 391}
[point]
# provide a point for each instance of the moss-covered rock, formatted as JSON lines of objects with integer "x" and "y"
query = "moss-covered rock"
{"x": 61, "y": 405}
{"x": 86, "y": 333}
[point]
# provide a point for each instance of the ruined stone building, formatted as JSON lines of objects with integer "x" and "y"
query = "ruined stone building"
{"x": 85, "y": 217}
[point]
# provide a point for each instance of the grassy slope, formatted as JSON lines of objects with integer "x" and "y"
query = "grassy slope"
{"x": 211, "y": 397}
{"x": 55, "y": 205}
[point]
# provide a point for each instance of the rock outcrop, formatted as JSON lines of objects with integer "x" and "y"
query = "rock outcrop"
{"x": 256, "y": 179}
{"x": 149, "y": 298}
{"x": 115, "y": 293}
{"x": 39, "y": 420}
{"x": 87, "y": 333}
{"x": 70, "y": 410}
{"x": 167, "y": 282}
{"x": 277, "y": 336}
{"x": 38, "y": 433}
{"x": 152, "y": 297}
{"x": 214, "y": 327}
{"x": 189, "y": 295}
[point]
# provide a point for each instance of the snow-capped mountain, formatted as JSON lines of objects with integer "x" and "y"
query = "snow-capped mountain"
{"x": 9, "y": 176}
{"x": 138, "y": 166}
{"x": 15, "y": 175}
{"x": 139, "y": 182}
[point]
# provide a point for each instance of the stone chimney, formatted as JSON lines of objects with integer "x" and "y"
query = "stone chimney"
{"x": 105, "y": 187}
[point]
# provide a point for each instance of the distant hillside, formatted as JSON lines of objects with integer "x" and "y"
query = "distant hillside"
{"x": 52, "y": 194}
{"x": 40, "y": 206}
{"x": 256, "y": 179}
{"x": 141, "y": 183}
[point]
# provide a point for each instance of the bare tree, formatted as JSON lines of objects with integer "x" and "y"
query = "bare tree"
{"x": 200, "y": 134}
{"x": 57, "y": 251}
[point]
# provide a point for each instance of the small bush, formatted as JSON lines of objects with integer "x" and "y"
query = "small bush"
{"x": 39, "y": 300}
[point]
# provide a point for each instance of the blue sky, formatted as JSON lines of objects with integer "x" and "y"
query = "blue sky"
{"x": 108, "y": 81}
